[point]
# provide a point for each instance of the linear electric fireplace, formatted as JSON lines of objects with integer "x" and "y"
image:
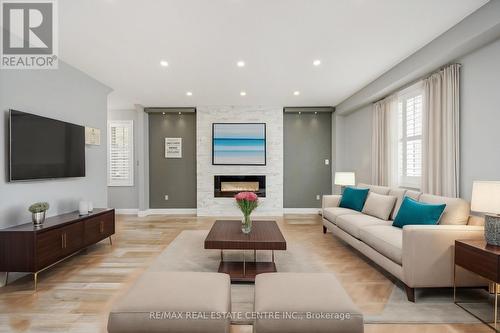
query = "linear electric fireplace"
{"x": 229, "y": 186}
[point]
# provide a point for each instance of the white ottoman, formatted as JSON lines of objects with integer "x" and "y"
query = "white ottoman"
{"x": 174, "y": 302}
{"x": 304, "y": 302}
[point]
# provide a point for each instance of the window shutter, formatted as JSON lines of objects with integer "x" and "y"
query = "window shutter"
{"x": 120, "y": 153}
{"x": 410, "y": 116}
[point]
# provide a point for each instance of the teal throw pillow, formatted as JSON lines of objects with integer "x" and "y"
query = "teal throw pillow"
{"x": 413, "y": 212}
{"x": 354, "y": 198}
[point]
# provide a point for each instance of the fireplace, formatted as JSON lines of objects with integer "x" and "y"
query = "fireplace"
{"x": 228, "y": 186}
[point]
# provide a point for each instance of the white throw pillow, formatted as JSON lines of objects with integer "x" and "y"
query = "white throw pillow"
{"x": 379, "y": 205}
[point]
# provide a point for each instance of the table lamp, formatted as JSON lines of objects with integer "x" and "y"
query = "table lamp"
{"x": 486, "y": 199}
{"x": 344, "y": 179}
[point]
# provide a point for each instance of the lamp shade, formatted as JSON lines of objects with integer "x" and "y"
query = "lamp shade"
{"x": 345, "y": 178}
{"x": 486, "y": 197}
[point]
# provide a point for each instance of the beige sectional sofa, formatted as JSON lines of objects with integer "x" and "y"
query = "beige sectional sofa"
{"x": 420, "y": 256}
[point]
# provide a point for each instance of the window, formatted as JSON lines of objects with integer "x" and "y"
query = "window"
{"x": 410, "y": 104}
{"x": 120, "y": 153}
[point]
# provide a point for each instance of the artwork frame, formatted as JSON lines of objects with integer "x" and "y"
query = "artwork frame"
{"x": 249, "y": 138}
{"x": 173, "y": 147}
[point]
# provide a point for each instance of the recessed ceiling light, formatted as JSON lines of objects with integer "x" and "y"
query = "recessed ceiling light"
{"x": 164, "y": 63}
{"x": 243, "y": 93}
{"x": 317, "y": 62}
{"x": 189, "y": 93}
{"x": 240, "y": 63}
{"x": 296, "y": 93}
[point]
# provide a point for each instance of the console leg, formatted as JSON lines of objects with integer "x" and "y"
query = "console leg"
{"x": 324, "y": 229}
{"x": 110, "y": 241}
{"x": 410, "y": 293}
{"x": 35, "y": 279}
{"x": 6, "y": 278}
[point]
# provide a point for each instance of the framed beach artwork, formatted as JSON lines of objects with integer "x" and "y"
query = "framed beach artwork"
{"x": 239, "y": 144}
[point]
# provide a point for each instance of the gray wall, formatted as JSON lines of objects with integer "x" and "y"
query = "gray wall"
{"x": 480, "y": 117}
{"x": 354, "y": 143}
{"x": 126, "y": 196}
{"x": 307, "y": 143}
{"x": 65, "y": 94}
{"x": 173, "y": 177}
{"x": 473, "y": 32}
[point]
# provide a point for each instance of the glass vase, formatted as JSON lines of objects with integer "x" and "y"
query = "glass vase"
{"x": 246, "y": 224}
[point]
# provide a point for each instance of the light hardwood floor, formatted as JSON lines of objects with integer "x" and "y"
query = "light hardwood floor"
{"x": 76, "y": 295}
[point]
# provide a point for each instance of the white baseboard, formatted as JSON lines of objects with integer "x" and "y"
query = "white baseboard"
{"x": 301, "y": 210}
{"x": 167, "y": 211}
{"x": 126, "y": 211}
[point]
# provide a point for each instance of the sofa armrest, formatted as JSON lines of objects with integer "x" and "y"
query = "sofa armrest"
{"x": 331, "y": 200}
{"x": 428, "y": 254}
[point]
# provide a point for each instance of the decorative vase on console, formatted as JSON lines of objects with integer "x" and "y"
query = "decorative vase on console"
{"x": 38, "y": 212}
{"x": 247, "y": 202}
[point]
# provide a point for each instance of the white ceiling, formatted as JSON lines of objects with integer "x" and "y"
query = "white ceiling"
{"x": 121, "y": 43}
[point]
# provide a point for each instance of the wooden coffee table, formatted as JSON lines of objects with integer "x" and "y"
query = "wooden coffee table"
{"x": 227, "y": 235}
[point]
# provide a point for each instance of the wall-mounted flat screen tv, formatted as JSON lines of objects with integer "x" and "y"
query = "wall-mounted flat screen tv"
{"x": 239, "y": 144}
{"x": 44, "y": 148}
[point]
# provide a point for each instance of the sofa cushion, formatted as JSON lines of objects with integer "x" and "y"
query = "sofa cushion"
{"x": 385, "y": 239}
{"x": 353, "y": 223}
{"x": 418, "y": 213}
{"x": 399, "y": 193}
{"x": 456, "y": 212}
{"x": 415, "y": 195}
{"x": 179, "y": 292}
{"x": 315, "y": 294}
{"x": 331, "y": 213}
{"x": 379, "y": 205}
{"x": 384, "y": 190}
{"x": 354, "y": 198}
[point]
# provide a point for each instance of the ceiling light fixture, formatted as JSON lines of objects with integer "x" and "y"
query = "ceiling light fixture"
{"x": 164, "y": 63}
{"x": 296, "y": 93}
{"x": 189, "y": 93}
{"x": 240, "y": 63}
{"x": 315, "y": 112}
{"x": 317, "y": 62}
{"x": 243, "y": 93}
{"x": 163, "y": 113}
{"x": 300, "y": 112}
{"x": 180, "y": 112}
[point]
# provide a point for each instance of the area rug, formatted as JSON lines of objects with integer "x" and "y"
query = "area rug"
{"x": 186, "y": 253}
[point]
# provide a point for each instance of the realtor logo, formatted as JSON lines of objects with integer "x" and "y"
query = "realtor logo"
{"x": 29, "y": 34}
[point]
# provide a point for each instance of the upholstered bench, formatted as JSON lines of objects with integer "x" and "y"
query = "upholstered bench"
{"x": 304, "y": 302}
{"x": 174, "y": 302}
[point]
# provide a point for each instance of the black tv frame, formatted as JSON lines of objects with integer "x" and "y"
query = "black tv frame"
{"x": 9, "y": 171}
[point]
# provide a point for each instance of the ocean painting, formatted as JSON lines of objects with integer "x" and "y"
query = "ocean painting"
{"x": 239, "y": 144}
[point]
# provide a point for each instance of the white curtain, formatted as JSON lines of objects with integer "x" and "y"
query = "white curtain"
{"x": 384, "y": 163}
{"x": 441, "y": 125}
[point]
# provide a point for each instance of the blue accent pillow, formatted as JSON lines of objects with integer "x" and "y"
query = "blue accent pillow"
{"x": 413, "y": 212}
{"x": 354, "y": 198}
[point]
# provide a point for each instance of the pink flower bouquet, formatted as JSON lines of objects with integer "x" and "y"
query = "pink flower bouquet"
{"x": 247, "y": 202}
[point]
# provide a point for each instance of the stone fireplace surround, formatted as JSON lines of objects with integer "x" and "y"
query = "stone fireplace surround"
{"x": 210, "y": 205}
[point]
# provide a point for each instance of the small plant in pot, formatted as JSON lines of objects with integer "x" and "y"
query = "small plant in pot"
{"x": 38, "y": 212}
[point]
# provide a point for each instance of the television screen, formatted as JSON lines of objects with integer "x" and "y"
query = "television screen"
{"x": 42, "y": 148}
{"x": 239, "y": 144}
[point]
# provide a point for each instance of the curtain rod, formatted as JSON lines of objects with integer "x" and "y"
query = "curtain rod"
{"x": 421, "y": 78}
